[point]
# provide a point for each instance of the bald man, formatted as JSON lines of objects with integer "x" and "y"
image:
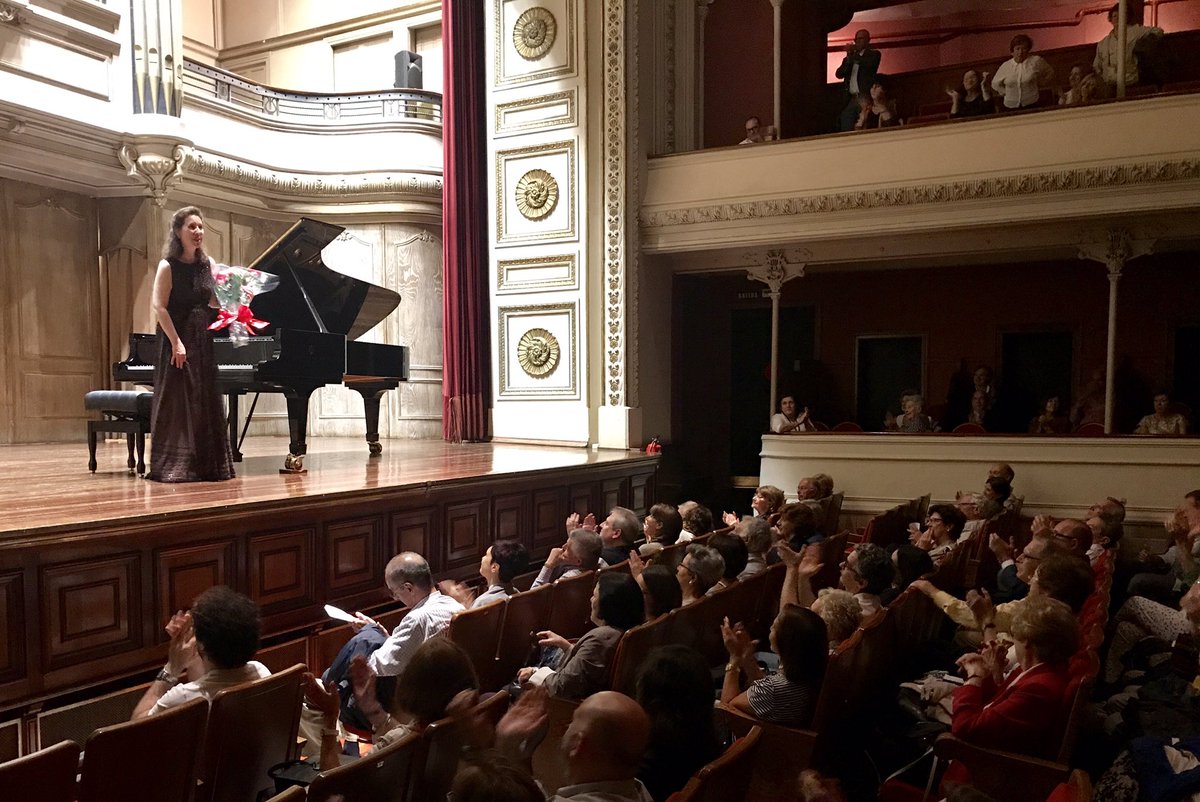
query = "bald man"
{"x": 602, "y": 748}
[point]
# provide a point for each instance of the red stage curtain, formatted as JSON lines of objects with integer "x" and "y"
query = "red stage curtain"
{"x": 466, "y": 360}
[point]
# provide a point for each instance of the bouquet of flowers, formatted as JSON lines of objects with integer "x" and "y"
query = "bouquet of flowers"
{"x": 235, "y": 289}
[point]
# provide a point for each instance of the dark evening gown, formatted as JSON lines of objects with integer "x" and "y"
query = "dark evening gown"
{"x": 189, "y": 441}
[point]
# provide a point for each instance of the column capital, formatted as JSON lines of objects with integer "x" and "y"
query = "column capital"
{"x": 777, "y": 3}
{"x": 1114, "y": 248}
{"x": 776, "y": 268}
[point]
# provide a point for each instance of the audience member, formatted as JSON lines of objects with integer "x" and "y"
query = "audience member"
{"x": 701, "y": 569}
{"x": 620, "y": 530}
{"x": 602, "y": 749}
{"x": 210, "y": 650}
{"x": 1020, "y": 79}
{"x": 996, "y": 493}
{"x": 857, "y": 71}
{"x": 1089, "y": 408}
{"x": 661, "y": 528}
{"x": 1163, "y": 421}
{"x": 798, "y": 526}
{"x": 1139, "y": 39}
{"x": 1051, "y": 420}
{"x": 734, "y": 554}
{"x": 841, "y": 613}
{"x": 501, "y": 564}
{"x": 943, "y": 526}
{"x": 973, "y": 98}
{"x": 866, "y": 572}
{"x": 660, "y": 589}
{"x": 1002, "y": 470}
{"x": 982, "y": 381}
{"x": 808, "y": 489}
{"x": 438, "y": 672}
{"x": 1084, "y": 87}
{"x": 800, "y": 639}
{"x": 697, "y": 521}
{"x": 1106, "y": 537}
{"x": 980, "y": 410}
{"x": 1026, "y": 711}
{"x": 881, "y": 111}
{"x": 768, "y": 500}
{"x": 1016, "y": 570}
{"x": 617, "y": 605}
{"x": 488, "y": 776}
{"x": 674, "y": 687}
{"x": 788, "y": 421}
{"x": 408, "y": 581}
{"x": 756, "y": 533}
{"x": 912, "y": 419}
{"x": 754, "y": 132}
{"x": 911, "y": 563}
{"x": 581, "y": 553}
{"x": 1164, "y": 577}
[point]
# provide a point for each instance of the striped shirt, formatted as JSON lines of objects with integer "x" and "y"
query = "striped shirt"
{"x": 777, "y": 699}
{"x": 426, "y": 619}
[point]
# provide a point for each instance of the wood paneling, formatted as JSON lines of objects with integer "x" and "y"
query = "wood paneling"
{"x": 284, "y": 655}
{"x": 510, "y": 517}
{"x": 548, "y": 518}
{"x": 12, "y": 616}
{"x": 466, "y": 533}
{"x": 641, "y": 493}
{"x": 585, "y": 499}
{"x": 414, "y": 530}
{"x": 90, "y": 609}
{"x": 353, "y": 555}
{"x": 615, "y": 493}
{"x": 280, "y": 570}
{"x": 185, "y": 573}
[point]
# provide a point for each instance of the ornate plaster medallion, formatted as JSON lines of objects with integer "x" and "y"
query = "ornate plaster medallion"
{"x": 538, "y": 353}
{"x": 534, "y": 33}
{"x": 537, "y": 194}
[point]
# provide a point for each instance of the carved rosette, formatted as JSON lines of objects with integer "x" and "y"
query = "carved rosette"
{"x": 538, "y": 353}
{"x": 537, "y": 194}
{"x": 158, "y": 165}
{"x": 8, "y": 13}
{"x": 534, "y": 33}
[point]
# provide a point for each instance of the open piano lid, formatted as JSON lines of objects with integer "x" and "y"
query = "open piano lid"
{"x": 312, "y": 296}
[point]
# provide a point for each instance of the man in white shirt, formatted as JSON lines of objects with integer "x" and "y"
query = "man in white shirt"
{"x": 858, "y": 70}
{"x": 1137, "y": 39}
{"x": 409, "y": 581}
{"x": 211, "y": 647}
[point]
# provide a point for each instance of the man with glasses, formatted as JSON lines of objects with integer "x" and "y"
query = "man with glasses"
{"x": 409, "y": 581}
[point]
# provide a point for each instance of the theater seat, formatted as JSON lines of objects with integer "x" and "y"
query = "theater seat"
{"x": 47, "y": 775}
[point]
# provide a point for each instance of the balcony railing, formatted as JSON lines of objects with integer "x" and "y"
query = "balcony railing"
{"x": 311, "y": 108}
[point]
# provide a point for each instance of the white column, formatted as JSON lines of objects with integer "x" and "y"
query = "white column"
{"x": 777, "y": 48}
{"x": 775, "y": 272}
{"x": 1113, "y": 251}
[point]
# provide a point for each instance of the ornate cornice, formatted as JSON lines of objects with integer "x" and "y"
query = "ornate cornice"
{"x": 289, "y": 184}
{"x": 1017, "y": 186}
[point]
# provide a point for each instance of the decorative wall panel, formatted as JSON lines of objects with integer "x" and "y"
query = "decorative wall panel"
{"x": 12, "y": 615}
{"x": 536, "y": 194}
{"x": 541, "y": 113}
{"x": 354, "y": 555}
{"x": 184, "y": 573}
{"x": 510, "y": 518}
{"x": 549, "y": 508}
{"x": 415, "y": 530}
{"x": 466, "y": 534}
{"x": 537, "y": 274}
{"x": 535, "y": 41}
{"x": 90, "y": 609}
{"x": 279, "y": 569}
{"x": 538, "y": 351}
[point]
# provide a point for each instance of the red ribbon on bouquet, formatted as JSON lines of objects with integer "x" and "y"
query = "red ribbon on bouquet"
{"x": 243, "y": 316}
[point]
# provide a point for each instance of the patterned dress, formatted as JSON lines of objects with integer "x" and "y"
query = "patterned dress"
{"x": 189, "y": 441}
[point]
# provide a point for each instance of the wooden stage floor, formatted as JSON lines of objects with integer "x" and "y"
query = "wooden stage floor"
{"x": 47, "y": 487}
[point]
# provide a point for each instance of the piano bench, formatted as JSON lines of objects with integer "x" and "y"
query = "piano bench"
{"x": 125, "y": 411}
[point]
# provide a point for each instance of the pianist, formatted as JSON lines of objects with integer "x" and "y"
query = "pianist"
{"x": 187, "y": 421}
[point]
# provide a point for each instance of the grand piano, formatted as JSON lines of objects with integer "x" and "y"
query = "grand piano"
{"x": 316, "y": 316}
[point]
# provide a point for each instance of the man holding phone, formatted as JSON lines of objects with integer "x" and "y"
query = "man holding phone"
{"x": 858, "y": 70}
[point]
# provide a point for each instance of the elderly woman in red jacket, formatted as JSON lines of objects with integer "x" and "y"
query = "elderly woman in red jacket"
{"x": 1023, "y": 710}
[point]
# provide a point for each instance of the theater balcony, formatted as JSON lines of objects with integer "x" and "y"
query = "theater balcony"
{"x": 1005, "y": 187}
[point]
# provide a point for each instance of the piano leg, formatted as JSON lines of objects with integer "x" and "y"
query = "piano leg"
{"x": 371, "y": 397}
{"x": 297, "y": 407}
{"x": 232, "y": 419}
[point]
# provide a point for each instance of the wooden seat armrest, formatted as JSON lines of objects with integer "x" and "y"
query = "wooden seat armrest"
{"x": 999, "y": 773}
{"x": 800, "y": 743}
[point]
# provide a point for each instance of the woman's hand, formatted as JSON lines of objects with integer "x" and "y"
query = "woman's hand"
{"x": 810, "y": 564}
{"x": 548, "y": 638}
{"x": 523, "y": 674}
{"x": 636, "y": 565}
{"x": 973, "y": 666}
{"x": 730, "y": 519}
{"x": 1000, "y": 547}
{"x": 179, "y": 354}
{"x": 524, "y": 726}
{"x": 457, "y": 591}
{"x": 789, "y": 557}
{"x": 737, "y": 641}
{"x": 980, "y": 602}
{"x": 572, "y": 522}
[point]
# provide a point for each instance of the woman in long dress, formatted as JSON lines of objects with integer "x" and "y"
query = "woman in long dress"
{"x": 189, "y": 442}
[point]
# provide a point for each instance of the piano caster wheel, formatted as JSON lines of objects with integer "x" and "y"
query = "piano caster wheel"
{"x": 293, "y": 463}
{"x": 376, "y": 448}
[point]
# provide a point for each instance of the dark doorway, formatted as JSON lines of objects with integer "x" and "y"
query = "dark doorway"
{"x": 886, "y": 367}
{"x": 749, "y": 371}
{"x": 1185, "y": 388}
{"x": 1034, "y": 366}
